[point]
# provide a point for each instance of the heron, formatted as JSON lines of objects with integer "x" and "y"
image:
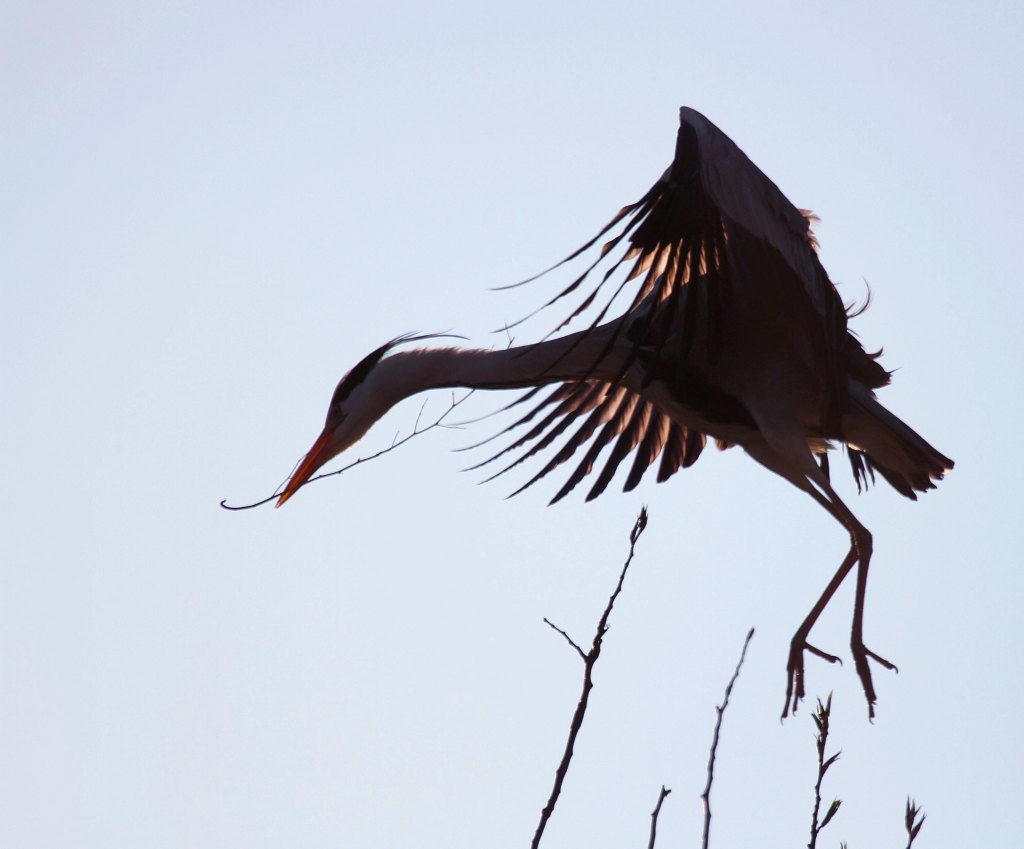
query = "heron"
{"x": 733, "y": 332}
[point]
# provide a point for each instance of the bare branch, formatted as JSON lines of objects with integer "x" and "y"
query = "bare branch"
{"x": 395, "y": 443}
{"x": 589, "y": 661}
{"x": 706, "y": 795}
{"x": 821, "y": 720}
{"x": 568, "y": 639}
{"x": 654, "y": 816}
{"x": 911, "y": 822}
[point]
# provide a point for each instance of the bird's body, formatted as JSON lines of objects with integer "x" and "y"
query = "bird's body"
{"x": 734, "y": 332}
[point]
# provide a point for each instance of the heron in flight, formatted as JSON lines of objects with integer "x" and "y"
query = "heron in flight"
{"x": 733, "y": 332}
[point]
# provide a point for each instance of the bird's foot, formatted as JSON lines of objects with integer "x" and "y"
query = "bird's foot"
{"x": 861, "y": 655}
{"x": 795, "y": 671}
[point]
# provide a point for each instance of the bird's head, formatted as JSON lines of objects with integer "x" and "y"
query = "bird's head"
{"x": 355, "y": 406}
{"x": 366, "y": 393}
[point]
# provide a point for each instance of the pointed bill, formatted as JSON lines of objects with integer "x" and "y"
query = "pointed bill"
{"x": 314, "y": 459}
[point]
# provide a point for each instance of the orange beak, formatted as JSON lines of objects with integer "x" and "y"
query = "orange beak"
{"x": 314, "y": 459}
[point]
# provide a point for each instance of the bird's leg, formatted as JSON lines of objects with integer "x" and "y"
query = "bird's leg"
{"x": 796, "y": 464}
{"x": 795, "y": 667}
{"x": 860, "y": 552}
{"x": 861, "y": 653}
{"x": 798, "y": 467}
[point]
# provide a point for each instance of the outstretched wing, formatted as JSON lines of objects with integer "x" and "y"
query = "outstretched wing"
{"x": 715, "y": 217}
{"x": 606, "y": 415}
{"x": 712, "y": 214}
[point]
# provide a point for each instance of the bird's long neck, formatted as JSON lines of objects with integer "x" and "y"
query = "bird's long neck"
{"x": 569, "y": 358}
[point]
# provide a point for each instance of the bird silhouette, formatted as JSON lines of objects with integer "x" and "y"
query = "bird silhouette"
{"x": 733, "y": 331}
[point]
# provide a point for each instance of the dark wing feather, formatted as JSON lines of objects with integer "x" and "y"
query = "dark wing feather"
{"x": 571, "y": 400}
{"x": 647, "y": 451}
{"x": 606, "y": 415}
{"x": 628, "y": 439}
{"x": 611, "y": 401}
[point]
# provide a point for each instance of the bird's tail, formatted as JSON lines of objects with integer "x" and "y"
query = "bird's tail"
{"x": 878, "y": 441}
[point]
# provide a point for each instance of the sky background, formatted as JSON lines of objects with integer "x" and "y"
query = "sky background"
{"x": 210, "y": 211}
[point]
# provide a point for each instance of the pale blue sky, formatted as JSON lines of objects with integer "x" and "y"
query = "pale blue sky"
{"x": 212, "y": 210}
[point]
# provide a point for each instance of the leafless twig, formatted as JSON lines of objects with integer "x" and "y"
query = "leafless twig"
{"x": 395, "y": 443}
{"x": 568, "y": 639}
{"x": 654, "y": 816}
{"x": 821, "y": 718}
{"x": 589, "y": 660}
{"x": 720, "y": 709}
{"x": 911, "y": 823}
